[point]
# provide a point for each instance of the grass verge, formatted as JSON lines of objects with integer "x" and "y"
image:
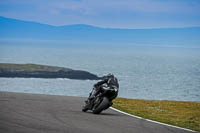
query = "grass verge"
{"x": 179, "y": 113}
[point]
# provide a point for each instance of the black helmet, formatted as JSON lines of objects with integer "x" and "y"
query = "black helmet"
{"x": 110, "y": 75}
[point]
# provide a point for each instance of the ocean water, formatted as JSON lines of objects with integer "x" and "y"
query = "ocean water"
{"x": 158, "y": 73}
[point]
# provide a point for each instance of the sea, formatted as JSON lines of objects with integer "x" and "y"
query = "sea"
{"x": 144, "y": 72}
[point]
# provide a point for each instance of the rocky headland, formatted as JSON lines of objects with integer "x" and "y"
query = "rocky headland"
{"x": 43, "y": 71}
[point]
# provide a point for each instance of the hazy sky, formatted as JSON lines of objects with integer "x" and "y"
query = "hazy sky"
{"x": 106, "y": 13}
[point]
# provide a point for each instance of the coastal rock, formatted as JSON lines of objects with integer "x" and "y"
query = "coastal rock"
{"x": 43, "y": 71}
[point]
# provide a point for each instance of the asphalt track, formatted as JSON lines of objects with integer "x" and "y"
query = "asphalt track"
{"x": 35, "y": 113}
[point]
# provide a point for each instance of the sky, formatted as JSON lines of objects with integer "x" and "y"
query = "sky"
{"x": 130, "y": 14}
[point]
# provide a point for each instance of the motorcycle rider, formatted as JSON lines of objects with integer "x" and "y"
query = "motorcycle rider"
{"x": 111, "y": 83}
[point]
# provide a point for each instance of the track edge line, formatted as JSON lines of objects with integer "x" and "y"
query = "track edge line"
{"x": 151, "y": 120}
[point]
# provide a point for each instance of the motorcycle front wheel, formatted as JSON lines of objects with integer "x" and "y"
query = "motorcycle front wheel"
{"x": 84, "y": 109}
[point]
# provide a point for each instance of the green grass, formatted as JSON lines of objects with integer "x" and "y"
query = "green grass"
{"x": 178, "y": 113}
{"x": 30, "y": 67}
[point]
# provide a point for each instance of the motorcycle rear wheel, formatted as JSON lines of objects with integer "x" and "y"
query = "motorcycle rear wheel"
{"x": 101, "y": 106}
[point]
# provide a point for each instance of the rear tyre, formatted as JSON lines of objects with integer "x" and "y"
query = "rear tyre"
{"x": 101, "y": 106}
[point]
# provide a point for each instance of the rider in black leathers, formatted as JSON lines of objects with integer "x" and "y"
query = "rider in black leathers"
{"x": 111, "y": 83}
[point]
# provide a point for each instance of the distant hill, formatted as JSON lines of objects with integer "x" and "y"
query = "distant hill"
{"x": 87, "y": 34}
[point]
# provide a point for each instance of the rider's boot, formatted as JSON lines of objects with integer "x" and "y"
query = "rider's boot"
{"x": 92, "y": 95}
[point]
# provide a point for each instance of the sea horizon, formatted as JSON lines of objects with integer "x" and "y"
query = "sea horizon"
{"x": 153, "y": 73}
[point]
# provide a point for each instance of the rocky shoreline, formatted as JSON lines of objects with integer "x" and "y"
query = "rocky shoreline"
{"x": 43, "y": 71}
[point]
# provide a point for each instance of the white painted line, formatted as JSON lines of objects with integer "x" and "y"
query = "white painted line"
{"x": 150, "y": 120}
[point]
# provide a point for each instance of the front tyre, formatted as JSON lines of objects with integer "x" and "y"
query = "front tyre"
{"x": 84, "y": 109}
{"x": 103, "y": 105}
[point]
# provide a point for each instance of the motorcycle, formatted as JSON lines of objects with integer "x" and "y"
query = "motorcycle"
{"x": 99, "y": 103}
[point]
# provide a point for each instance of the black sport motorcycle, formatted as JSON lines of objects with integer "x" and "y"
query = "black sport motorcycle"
{"x": 101, "y": 102}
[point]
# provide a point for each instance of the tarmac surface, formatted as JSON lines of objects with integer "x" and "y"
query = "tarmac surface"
{"x": 36, "y": 113}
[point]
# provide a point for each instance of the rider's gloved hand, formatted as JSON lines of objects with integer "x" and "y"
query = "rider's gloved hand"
{"x": 94, "y": 86}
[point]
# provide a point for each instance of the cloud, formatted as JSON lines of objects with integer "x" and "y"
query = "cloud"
{"x": 160, "y": 6}
{"x": 106, "y": 13}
